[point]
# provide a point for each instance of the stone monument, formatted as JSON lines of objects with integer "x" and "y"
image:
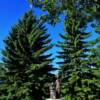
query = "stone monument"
{"x": 55, "y": 90}
{"x": 52, "y": 91}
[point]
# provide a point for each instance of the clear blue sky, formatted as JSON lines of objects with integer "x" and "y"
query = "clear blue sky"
{"x": 12, "y": 10}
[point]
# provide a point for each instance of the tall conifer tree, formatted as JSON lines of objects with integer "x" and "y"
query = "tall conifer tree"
{"x": 28, "y": 65}
{"x": 78, "y": 78}
{"x": 87, "y": 11}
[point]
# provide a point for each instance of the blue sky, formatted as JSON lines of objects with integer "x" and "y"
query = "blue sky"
{"x": 12, "y": 10}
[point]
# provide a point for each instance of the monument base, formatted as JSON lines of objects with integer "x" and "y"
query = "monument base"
{"x": 54, "y": 99}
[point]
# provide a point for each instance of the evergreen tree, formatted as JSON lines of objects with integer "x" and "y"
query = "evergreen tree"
{"x": 27, "y": 63}
{"x": 86, "y": 11}
{"x": 78, "y": 78}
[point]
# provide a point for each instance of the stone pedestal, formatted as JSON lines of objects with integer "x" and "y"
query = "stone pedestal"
{"x": 54, "y": 99}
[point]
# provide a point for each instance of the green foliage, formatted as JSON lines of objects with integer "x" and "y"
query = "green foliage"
{"x": 78, "y": 78}
{"x": 27, "y": 63}
{"x": 77, "y": 54}
{"x": 89, "y": 8}
{"x": 2, "y": 71}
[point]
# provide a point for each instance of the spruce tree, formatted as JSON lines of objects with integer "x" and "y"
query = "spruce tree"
{"x": 27, "y": 63}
